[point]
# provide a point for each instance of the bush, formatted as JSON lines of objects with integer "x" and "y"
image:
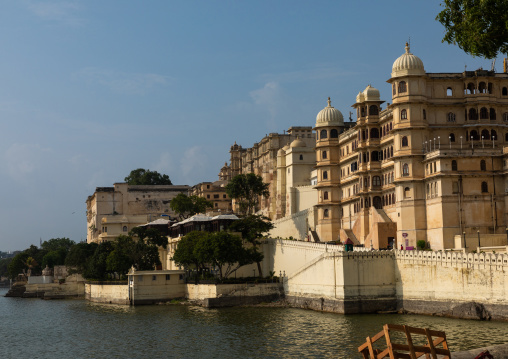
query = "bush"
{"x": 421, "y": 244}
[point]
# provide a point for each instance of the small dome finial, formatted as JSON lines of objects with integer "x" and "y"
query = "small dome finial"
{"x": 329, "y": 102}
{"x": 407, "y": 48}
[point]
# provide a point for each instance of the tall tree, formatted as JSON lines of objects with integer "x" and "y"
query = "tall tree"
{"x": 252, "y": 228}
{"x": 141, "y": 176}
{"x": 479, "y": 27}
{"x": 187, "y": 206}
{"x": 246, "y": 189}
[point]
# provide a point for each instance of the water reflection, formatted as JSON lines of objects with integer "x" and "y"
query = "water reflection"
{"x": 76, "y": 328}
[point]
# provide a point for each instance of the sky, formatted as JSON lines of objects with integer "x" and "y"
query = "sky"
{"x": 90, "y": 90}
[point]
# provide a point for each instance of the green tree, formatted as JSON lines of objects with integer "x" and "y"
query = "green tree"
{"x": 246, "y": 189}
{"x": 185, "y": 254}
{"x": 96, "y": 267}
{"x": 141, "y": 176}
{"x": 252, "y": 228}
{"x": 4, "y": 266}
{"x": 479, "y": 27}
{"x": 18, "y": 264}
{"x": 55, "y": 244}
{"x": 152, "y": 236}
{"x": 187, "y": 206}
{"x": 79, "y": 255}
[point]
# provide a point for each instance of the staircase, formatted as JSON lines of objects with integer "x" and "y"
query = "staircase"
{"x": 349, "y": 234}
{"x": 315, "y": 237}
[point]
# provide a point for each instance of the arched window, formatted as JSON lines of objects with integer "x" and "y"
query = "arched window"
{"x": 493, "y": 134}
{"x": 490, "y": 88}
{"x": 482, "y": 88}
{"x": 391, "y": 151}
{"x": 473, "y": 115}
{"x": 374, "y": 156}
{"x": 301, "y": 157}
{"x": 124, "y": 229}
{"x": 407, "y": 192}
{"x": 363, "y": 111}
{"x": 394, "y": 91}
{"x": 474, "y": 135}
{"x": 325, "y": 175}
{"x": 492, "y": 114}
{"x": 484, "y": 113}
{"x": 373, "y": 110}
{"x": 505, "y": 117}
{"x": 485, "y": 134}
{"x": 450, "y": 117}
{"x": 470, "y": 88}
{"x": 483, "y": 165}
{"x": 424, "y": 114}
{"x": 377, "y": 202}
{"x": 324, "y": 155}
{"x": 451, "y": 137}
{"x": 449, "y": 91}
{"x": 405, "y": 170}
{"x": 325, "y": 213}
{"x": 325, "y": 195}
{"x": 384, "y": 154}
{"x": 393, "y": 198}
{"x": 390, "y": 126}
{"x": 376, "y": 181}
{"x": 402, "y": 86}
{"x": 334, "y": 133}
{"x": 403, "y": 114}
{"x": 374, "y": 133}
{"x": 504, "y": 92}
{"x": 405, "y": 142}
{"x": 454, "y": 165}
{"x": 323, "y": 134}
{"x": 485, "y": 187}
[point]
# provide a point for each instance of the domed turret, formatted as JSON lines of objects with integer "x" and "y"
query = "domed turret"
{"x": 298, "y": 143}
{"x": 360, "y": 98}
{"x": 329, "y": 116}
{"x": 407, "y": 64}
{"x": 371, "y": 94}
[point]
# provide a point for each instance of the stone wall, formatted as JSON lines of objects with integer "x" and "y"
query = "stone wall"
{"x": 107, "y": 293}
{"x": 296, "y": 225}
{"x": 222, "y": 295}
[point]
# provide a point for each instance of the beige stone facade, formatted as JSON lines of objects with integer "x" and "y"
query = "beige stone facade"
{"x": 112, "y": 211}
{"x": 429, "y": 166}
{"x": 214, "y": 192}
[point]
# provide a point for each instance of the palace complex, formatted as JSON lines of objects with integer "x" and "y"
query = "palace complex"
{"x": 430, "y": 165}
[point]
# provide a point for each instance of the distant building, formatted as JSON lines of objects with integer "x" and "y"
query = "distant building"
{"x": 112, "y": 211}
{"x": 214, "y": 192}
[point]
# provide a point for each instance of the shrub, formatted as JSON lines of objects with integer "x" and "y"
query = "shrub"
{"x": 421, "y": 244}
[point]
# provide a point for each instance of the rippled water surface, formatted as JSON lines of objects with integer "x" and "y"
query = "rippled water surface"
{"x": 34, "y": 328}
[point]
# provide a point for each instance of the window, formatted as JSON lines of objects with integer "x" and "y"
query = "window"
{"x": 451, "y": 137}
{"x": 402, "y": 86}
{"x": 394, "y": 91}
{"x": 373, "y": 110}
{"x": 449, "y": 91}
{"x": 324, "y": 155}
{"x": 424, "y": 114}
{"x": 216, "y": 204}
{"x": 208, "y": 196}
{"x": 470, "y": 89}
{"x": 325, "y": 195}
{"x": 376, "y": 181}
{"x": 485, "y": 187}
{"x": 455, "y": 187}
{"x": 504, "y": 92}
{"x": 323, "y": 134}
{"x": 405, "y": 170}
{"x": 301, "y": 157}
{"x": 374, "y": 133}
{"x": 474, "y": 135}
{"x": 154, "y": 277}
{"x": 484, "y": 113}
{"x": 223, "y": 196}
{"x": 473, "y": 115}
{"x": 403, "y": 114}
{"x": 505, "y": 117}
{"x": 325, "y": 213}
{"x": 325, "y": 175}
{"x": 405, "y": 141}
{"x": 168, "y": 276}
{"x": 124, "y": 229}
{"x": 216, "y": 196}
{"x": 407, "y": 192}
{"x": 483, "y": 165}
{"x": 492, "y": 114}
{"x": 450, "y": 117}
{"x": 334, "y": 133}
{"x": 454, "y": 165}
{"x": 493, "y": 134}
{"x": 207, "y": 186}
{"x": 485, "y": 134}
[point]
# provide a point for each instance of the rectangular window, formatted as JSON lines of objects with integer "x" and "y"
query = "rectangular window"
{"x": 455, "y": 187}
{"x": 223, "y": 196}
{"x": 216, "y": 196}
{"x": 168, "y": 276}
{"x": 154, "y": 277}
{"x": 180, "y": 276}
{"x": 140, "y": 278}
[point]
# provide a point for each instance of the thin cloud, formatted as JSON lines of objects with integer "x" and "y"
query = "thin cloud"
{"x": 57, "y": 11}
{"x": 193, "y": 163}
{"x": 320, "y": 72}
{"x": 121, "y": 82}
{"x": 269, "y": 98}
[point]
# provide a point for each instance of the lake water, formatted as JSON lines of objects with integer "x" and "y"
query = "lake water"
{"x": 35, "y": 328}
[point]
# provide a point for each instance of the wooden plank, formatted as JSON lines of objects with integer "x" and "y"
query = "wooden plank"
{"x": 430, "y": 343}
{"x": 410, "y": 343}
{"x": 388, "y": 341}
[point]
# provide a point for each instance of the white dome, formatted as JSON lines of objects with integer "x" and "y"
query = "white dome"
{"x": 407, "y": 64}
{"x": 298, "y": 143}
{"x": 371, "y": 94}
{"x": 329, "y": 116}
{"x": 360, "y": 97}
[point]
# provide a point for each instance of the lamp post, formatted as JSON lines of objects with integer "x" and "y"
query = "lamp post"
{"x": 434, "y": 143}
{"x": 478, "y": 240}
{"x": 493, "y": 138}
{"x": 471, "y": 142}
{"x": 464, "y": 235}
{"x": 482, "y": 141}
{"x": 450, "y": 141}
{"x": 439, "y": 142}
{"x": 460, "y": 142}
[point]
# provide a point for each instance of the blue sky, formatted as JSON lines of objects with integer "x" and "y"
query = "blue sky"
{"x": 90, "y": 90}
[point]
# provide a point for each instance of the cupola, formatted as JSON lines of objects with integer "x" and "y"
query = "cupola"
{"x": 407, "y": 64}
{"x": 329, "y": 116}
